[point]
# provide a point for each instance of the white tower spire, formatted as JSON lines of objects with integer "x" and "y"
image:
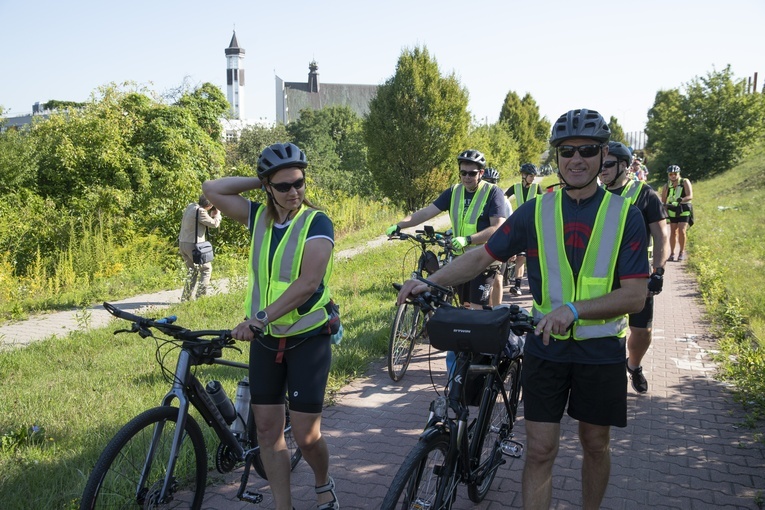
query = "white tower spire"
{"x": 235, "y": 78}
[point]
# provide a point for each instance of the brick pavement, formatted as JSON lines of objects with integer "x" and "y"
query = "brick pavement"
{"x": 684, "y": 446}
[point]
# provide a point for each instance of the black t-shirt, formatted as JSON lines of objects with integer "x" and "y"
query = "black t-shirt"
{"x": 650, "y": 205}
{"x": 518, "y": 234}
{"x": 495, "y": 205}
{"x": 510, "y": 192}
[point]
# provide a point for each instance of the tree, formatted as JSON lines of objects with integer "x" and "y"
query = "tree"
{"x": 417, "y": 124}
{"x": 617, "y": 132}
{"x": 333, "y": 139}
{"x": 499, "y": 147}
{"x": 242, "y": 155}
{"x": 706, "y": 128}
{"x": 521, "y": 118}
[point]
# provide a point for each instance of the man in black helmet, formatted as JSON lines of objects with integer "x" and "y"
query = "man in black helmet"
{"x": 476, "y": 208}
{"x": 523, "y": 192}
{"x": 587, "y": 269}
{"x": 615, "y": 176}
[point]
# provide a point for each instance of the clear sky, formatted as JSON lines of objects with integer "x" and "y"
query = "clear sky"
{"x": 608, "y": 56}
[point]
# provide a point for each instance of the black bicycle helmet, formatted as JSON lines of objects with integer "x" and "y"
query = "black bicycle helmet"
{"x": 620, "y": 151}
{"x": 529, "y": 168}
{"x": 673, "y": 168}
{"x": 472, "y": 156}
{"x": 278, "y": 156}
{"x": 581, "y": 123}
{"x": 491, "y": 175}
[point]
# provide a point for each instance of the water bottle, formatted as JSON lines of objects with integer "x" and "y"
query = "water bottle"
{"x": 242, "y": 405}
{"x": 221, "y": 400}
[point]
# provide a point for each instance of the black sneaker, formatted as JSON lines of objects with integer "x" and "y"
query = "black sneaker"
{"x": 515, "y": 291}
{"x": 639, "y": 382}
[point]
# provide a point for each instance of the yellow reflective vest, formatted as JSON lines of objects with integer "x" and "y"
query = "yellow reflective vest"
{"x": 596, "y": 276}
{"x": 518, "y": 193}
{"x": 465, "y": 223}
{"x": 268, "y": 281}
{"x": 674, "y": 194}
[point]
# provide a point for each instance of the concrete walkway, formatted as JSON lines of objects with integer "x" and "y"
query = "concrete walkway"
{"x": 684, "y": 446}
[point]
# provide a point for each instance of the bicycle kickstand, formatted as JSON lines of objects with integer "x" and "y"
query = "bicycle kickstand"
{"x": 243, "y": 494}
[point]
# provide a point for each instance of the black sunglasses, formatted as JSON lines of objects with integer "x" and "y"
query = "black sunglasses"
{"x": 609, "y": 164}
{"x": 586, "y": 151}
{"x": 471, "y": 173}
{"x": 284, "y": 187}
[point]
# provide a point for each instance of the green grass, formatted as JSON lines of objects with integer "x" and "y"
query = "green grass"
{"x": 81, "y": 389}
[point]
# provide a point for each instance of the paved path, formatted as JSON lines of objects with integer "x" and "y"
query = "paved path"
{"x": 684, "y": 446}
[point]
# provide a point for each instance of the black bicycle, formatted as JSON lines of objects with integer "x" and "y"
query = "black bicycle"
{"x": 454, "y": 449}
{"x": 409, "y": 321}
{"x": 159, "y": 458}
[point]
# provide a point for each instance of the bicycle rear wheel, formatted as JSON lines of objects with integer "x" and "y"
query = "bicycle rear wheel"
{"x": 493, "y": 425}
{"x": 257, "y": 461}
{"x": 115, "y": 481}
{"x": 424, "y": 480}
{"x": 406, "y": 327}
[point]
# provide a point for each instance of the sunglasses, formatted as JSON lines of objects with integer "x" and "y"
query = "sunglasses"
{"x": 586, "y": 151}
{"x": 471, "y": 173}
{"x": 284, "y": 187}
{"x": 609, "y": 164}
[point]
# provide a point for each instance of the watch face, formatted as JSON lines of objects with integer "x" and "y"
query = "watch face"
{"x": 261, "y": 316}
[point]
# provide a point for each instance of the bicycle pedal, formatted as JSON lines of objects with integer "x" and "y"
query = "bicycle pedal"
{"x": 511, "y": 448}
{"x": 251, "y": 497}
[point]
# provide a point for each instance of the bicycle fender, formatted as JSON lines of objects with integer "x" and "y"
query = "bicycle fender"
{"x": 433, "y": 430}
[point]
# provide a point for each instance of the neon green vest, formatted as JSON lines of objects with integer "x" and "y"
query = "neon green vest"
{"x": 596, "y": 277}
{"x": 518, "y": 193}
{"x": 266, "y": 285}
{"x": 632, "y": 190}
{"x": 465, "y": 223}
{"x": 674, "y": 194}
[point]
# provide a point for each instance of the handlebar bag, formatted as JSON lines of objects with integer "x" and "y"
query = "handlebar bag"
{"x": 464, "y": 330}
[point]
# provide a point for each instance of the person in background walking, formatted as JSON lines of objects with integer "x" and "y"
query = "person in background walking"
{"x": 615, "y": 177}
{"x": 491, "y": 175}
{"x": 523, "y": 191}
{"x": 677, "y": 196}
{"x": 197, "y": 217}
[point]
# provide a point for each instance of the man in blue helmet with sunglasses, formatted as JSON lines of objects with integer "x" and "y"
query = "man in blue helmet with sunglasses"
{"x": 587, "y": 270}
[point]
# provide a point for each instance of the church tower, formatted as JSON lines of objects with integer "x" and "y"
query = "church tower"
{"x": 235, "y": 78}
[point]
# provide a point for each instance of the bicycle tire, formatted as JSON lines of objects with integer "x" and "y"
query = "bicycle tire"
{"x": 492, "y": 426}
{"x": 424, "y": 480}
{"x": 257, "y": 461}
{"x": 114, "y": 481}
{"x": 406, "y": 326}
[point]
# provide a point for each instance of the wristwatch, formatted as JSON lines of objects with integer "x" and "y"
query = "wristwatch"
{"x": 659, "y": 271}
{"x": 469, "y": 240}
{"x": 262, "y": 317}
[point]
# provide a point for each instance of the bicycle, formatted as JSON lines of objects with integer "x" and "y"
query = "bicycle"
{"x": 408, "y": 322}
{"x": 159, "y": 458}
{"x": 450, "y": 450}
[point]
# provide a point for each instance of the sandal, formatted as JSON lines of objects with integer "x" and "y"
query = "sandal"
{"x": 671, "y": 258}
{"x": 328, "y": 487}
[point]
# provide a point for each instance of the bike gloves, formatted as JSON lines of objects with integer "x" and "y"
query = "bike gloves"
{"x": 392, "y": 230}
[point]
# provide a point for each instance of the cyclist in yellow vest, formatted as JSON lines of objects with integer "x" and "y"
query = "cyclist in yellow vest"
{"x": 491, "y": 175}
{"x": 677, "y": 196}
{"x": 476, "y": 209}
{"x": 616, "y": 180}
{"x": 587, "y": 269}
{"x": 288, "y": 300}
{"x": 522, "y": 192}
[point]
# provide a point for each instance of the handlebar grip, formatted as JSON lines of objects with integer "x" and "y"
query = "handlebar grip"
{"x": 121, "y": 314}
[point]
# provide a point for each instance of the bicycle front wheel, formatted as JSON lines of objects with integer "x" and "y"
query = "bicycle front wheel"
{"x": 424, "y": 480}
{"x": 405, "y": 328}
{"x": 493, "y": 425}
{"x": 144, "y": 446}
{"x": 257, "y": 461}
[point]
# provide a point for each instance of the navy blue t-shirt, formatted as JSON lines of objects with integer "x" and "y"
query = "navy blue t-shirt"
{"x": 321, "y": 226}
{"x": 518, "y": 234}
{"x": 495, "y": 205}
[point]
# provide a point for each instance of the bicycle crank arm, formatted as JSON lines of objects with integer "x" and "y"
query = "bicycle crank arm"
{"x": 511, "y": 448}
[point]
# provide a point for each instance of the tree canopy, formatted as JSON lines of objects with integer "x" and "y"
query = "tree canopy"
{"x": 416, "y": 127}
{"x": 522, "y": 119}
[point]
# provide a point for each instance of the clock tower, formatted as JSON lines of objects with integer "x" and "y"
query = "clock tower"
{"x": 235, "y": 78}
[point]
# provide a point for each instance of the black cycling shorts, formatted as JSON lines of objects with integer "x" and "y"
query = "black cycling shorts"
{"x": 301, "y": 375}
{"x": 478, "y": 289}
{"x": 595, "y": 394}
{"x": 644, "y": 318}
{"x": 679, "y": 219}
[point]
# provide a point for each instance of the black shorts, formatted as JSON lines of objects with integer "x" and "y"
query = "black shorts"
{"x": 303, "y": 372}
{"x": 595, "y": 394}
{"x": 478, "y": 289}
{"x": 679, "y": 219}
{"x": 644, "y": 318}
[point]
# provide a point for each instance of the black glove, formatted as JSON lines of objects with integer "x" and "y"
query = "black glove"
{"x": 656, "y": 281}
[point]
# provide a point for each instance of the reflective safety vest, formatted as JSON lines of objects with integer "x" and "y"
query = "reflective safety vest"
{"x": 596, "y": 276}
{"x": 268, "y": 281}
{"x": 674, "y": 194}
{"x": 518, "y": 192}
{"x": 465, "y": 223}
{"x": 632, "y": 190}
